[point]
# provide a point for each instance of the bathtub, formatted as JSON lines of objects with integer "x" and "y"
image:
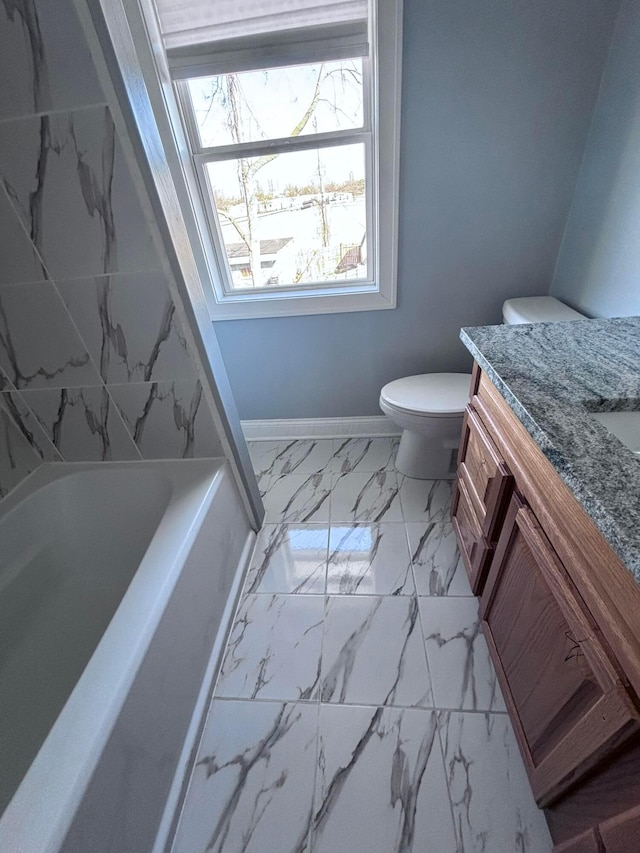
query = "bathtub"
{"x": 117, "y": 586}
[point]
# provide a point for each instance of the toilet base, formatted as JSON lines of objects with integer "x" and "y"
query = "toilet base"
{"x": 422, "y": 457}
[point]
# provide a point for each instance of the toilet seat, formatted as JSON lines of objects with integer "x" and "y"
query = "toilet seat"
{"x": 436, "y": 395}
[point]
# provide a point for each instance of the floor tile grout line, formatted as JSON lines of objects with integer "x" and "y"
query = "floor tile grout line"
{"x": 400, "y": 482}
{"x": 312, "y": 702}
{"x": 315, "y": 779}
{"x": 364, "y": 595}
{"x": 413, "y": 571}
{"x": 426, "y": 654}
{"x": 459, "y": 840}
{"x": 310, "y": 836}
{"x": 325, "y": 603}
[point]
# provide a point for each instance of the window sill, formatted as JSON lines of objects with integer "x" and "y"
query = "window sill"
{"x": 245, "y": 307}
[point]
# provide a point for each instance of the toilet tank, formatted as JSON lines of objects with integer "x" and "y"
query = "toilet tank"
{"x": 537, "y": 309}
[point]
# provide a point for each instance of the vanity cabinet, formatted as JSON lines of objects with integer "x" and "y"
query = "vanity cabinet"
{"x": 561, "y": 616}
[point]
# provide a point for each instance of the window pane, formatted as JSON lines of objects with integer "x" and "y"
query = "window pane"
{"x": 293, "y": 218}
{"x": 278, "y": 102}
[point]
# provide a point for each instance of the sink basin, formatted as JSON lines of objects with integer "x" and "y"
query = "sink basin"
{"x": 624, "y": 425}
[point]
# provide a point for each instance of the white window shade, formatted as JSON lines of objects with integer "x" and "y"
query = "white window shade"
{"x": 212, "y": 36}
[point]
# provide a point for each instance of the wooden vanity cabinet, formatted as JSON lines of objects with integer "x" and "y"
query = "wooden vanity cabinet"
{"x": 568, "y": 704}
{"x": 561, "y": 615}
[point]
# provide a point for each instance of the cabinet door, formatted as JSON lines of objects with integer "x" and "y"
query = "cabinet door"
{"x": 567, "y": 701}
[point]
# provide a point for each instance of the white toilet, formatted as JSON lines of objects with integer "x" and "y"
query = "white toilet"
{"x": 429, "y": 407}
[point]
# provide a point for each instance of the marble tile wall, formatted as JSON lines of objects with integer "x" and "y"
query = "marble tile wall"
{"x": 94, "y": 364}
{"x": 357, "y": 709}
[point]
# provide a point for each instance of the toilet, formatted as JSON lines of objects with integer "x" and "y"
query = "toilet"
{"x": 429, "y": 407}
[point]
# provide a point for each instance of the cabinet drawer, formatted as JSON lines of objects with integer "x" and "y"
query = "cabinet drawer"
{"x": 485, "y": 474}
{"x": 568, "y": 704}
{"x": 474, "y": 548}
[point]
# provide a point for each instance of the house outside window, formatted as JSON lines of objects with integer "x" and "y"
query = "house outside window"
{"x": 291, "y": 120}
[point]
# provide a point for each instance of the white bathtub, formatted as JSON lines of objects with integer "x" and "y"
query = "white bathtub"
{"x": 117, "y": 583}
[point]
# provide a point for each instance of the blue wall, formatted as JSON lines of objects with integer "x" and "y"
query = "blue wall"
{"x": 496, "y": 105}
{"x": 598, "y": 269}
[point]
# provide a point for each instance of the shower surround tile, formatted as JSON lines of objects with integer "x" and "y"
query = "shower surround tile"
{"x": 373, "y": 653}
{"x": 20, "y": 261}
{"x": 437, "y": 565}
{"x": 425, "y": 500}
{"x": 39, "y": 347}
{"x": 46, "y": 61}
{"x": 381, "y": 783}
{"x": 167, "y": 420}
{"x": 364, "y": 455}
{"x": 274, "y": 648}
{"x": 297, "y": 497}
{"x": 252, "y": 787}
{"x": 492, "y": 803}
{"x": 30, "y": 427}
{"x": 17, "y": 457}
{"x": 365, "y": 497}
{"x": 129, "y": 326}
{"x": 369, "y": 559}
{"x": 83, "y": 424}
{"x": 462, "y": 674}
{"x": 67, "y": 179}
{"x": 289, "y": 558}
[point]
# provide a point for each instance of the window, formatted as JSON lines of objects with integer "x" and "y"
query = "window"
{"x": 292, "y": 136}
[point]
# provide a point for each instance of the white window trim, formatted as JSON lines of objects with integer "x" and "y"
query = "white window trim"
{"x": 380, "y": 295}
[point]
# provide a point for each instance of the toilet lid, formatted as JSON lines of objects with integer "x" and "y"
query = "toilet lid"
{"x": 429, "y": 393}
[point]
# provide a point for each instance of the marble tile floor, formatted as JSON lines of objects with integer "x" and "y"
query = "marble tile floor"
{"x": 357, "y": 709}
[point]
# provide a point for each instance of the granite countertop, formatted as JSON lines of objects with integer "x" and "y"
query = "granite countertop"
{"x": 552, "y": 376}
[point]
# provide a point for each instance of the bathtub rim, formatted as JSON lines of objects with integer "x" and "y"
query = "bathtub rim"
{"x": 43, "y": 806}
{"x": 49, "y": 472}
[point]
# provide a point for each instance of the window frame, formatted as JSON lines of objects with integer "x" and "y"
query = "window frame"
{"x": 380, "y": 135}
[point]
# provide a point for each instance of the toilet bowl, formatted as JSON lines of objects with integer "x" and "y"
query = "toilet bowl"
{"x": 429, "y": 407}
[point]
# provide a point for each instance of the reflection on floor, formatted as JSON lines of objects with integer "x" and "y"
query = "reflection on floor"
{"x": 357, "y": 710}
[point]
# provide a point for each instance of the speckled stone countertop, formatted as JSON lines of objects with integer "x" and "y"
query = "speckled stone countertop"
{"x": 552, "y": 375}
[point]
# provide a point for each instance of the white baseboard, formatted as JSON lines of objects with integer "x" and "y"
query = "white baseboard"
{"x": 280, "y": 430}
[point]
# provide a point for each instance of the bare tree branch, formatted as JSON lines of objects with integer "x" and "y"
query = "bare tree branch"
{"x": 232, "y": 221}
{"x": 260, "y": 162}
